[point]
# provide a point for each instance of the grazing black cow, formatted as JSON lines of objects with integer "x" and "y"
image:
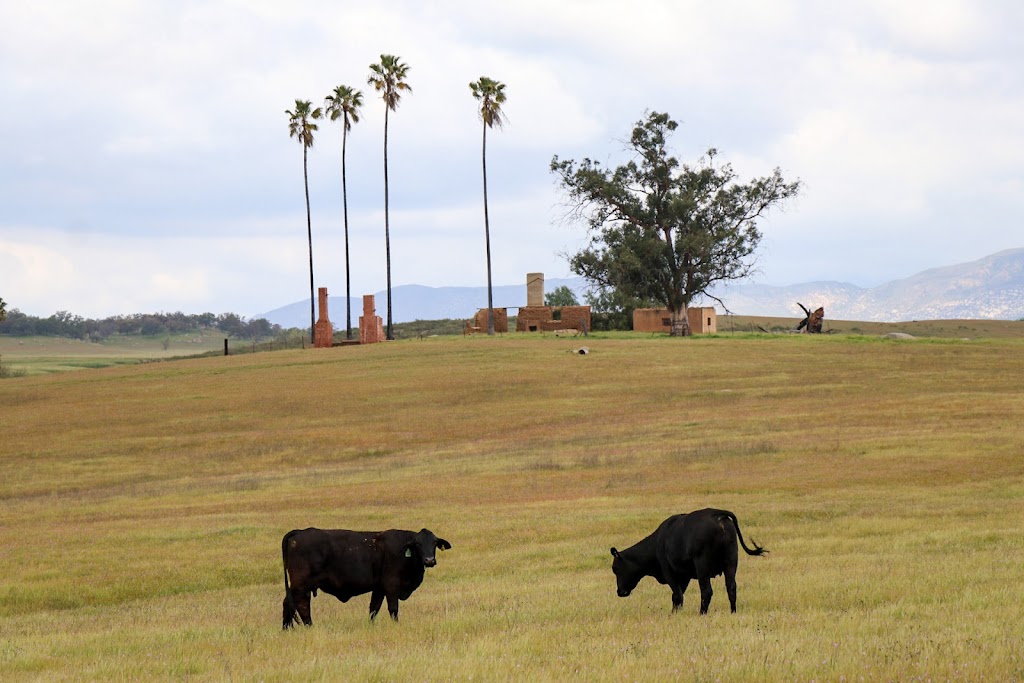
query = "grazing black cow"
{"x": 698, "y": 545}
{"x": 349, "y": 563}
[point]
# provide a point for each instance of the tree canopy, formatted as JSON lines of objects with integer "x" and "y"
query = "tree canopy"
{"x": 665, "y": 231}
{"x": 491, "y": 95}
{"x": 388, "y": 78}
{"x": 344, "y": 103}
{"x": 66, "y": 324}
{"x": 300, "y": 122}
{"x": 561, "y": 296}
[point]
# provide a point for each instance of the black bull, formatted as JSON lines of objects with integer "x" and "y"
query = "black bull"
{"x": 698, "y": 545}
{"x": 388, "y": 564}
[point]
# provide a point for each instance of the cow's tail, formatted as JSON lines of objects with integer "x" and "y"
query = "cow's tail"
{"x": 284, "y": 560}
{"x": 758, "y": 550}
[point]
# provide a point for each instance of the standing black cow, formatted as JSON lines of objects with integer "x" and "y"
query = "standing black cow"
{"x": 348, "y": 563}
{"x": 698, "y": 545}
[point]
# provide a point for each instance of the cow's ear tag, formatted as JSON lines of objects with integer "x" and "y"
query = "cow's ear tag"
{"x": 408, "y": 552}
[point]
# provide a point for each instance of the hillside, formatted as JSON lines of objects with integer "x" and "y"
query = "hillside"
{"x": 144, "y": 509}
{"x": 989, "y": 288}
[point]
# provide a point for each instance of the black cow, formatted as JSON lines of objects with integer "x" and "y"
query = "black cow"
{"x": 698, "y": 545}
{"x": 349, "y": 563}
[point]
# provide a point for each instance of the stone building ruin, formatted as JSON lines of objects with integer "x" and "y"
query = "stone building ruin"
{"x": 702, "y": 320}
{"x": 536, "y": 317}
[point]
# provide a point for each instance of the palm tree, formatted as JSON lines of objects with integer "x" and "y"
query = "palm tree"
{"x": 388, "y": 78}
{"x": 344, "y": 103}
{"x": 491, "y": 94}
{"x": 301, "y": 126}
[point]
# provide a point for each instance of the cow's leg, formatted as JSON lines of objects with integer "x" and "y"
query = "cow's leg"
{"x": 730, "y": 586}
{"x": 375, "y": 602}
{"x": 393, "y": 605}
{"x": 705, "y": 593}
{"x": 302, "y": 604}
{"x": 678, "y": 589}
{"x": 289, "y": 612}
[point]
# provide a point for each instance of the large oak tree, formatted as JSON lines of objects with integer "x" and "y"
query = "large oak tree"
{"x": 665, "y": 231}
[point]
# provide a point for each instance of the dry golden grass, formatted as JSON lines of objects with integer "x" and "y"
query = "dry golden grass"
{"x": 141, "y": 509}
{"x": 951, "y": 329}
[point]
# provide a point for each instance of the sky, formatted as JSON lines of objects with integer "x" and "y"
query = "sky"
{"x": 145, "y": 162}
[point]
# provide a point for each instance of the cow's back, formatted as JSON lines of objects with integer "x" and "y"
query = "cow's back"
{"x": 337, "y": 561}
{"x": 706, "y": 537}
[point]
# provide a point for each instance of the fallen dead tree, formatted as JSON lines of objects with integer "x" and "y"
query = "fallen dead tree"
{"x": 812, "y": 321}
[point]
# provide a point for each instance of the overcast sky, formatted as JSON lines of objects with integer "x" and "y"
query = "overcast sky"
{"x": 146, "y": 164}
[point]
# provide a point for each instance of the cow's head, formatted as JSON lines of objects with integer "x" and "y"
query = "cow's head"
{"x": 425, "y": 544}
{"x": 627, "y": 574}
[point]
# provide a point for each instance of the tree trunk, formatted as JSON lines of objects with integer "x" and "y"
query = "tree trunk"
{"x": 680, "y": 323}
{"x": 344, "y": 204}
{"x": 309, "y": 233}
{"x": 387, "y": 228}
{"x": 487, "y": 235}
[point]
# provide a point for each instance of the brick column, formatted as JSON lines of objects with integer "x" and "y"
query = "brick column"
{"x": 323, "y": 331}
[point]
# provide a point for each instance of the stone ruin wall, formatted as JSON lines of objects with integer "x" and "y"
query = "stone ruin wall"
{"x": 541, "y": 318}
{"x": 703, "y": 320}
{"x": 323, "y": 331}
{"x": 532, "y": 316}
{"x": 576, "y": 317}
{"x": 371, "y": 327}
{"x": 500, "y": 319}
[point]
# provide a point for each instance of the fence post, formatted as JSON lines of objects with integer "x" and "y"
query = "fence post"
{"x": 225, "y": 347}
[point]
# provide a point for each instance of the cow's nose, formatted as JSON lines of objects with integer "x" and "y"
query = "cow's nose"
{"x": 623, "y": 594}
{"x": 430, "y": 562}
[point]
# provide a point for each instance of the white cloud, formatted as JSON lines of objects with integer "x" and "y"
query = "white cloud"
{"x": 146, "y": 163}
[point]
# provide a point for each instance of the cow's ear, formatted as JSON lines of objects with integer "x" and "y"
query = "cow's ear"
{"x": 615, "y": 553}
{"x": 443, "y": 544}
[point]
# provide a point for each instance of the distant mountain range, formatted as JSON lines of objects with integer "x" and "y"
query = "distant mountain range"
{"x": 989, "y": 288}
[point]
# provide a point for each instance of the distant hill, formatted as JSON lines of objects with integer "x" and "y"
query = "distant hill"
{"x": 991, "y": 288}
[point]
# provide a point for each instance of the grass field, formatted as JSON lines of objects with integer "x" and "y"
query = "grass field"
{"x": 142, "y": 507}
{"x": 44, "y": 355}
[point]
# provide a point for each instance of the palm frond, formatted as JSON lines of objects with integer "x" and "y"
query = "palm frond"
{"x": 491, "y": 94}
{"x": 388, "y": 78}
{"x": 300, "y": 123}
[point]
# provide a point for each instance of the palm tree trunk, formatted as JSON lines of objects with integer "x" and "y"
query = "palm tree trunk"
{"x": 309, "y": 233}
{"x": 487, "y": 235}
{"x": 387, "y": 231}
{"x": 344, "y": 203}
